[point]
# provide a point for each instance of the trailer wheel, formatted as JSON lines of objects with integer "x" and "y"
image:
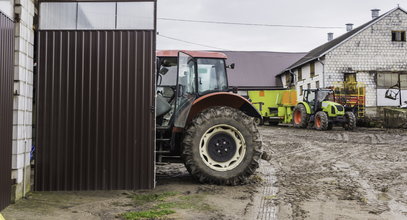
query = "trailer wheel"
{"x": 300, "y": 116}
{"x": 222, "y": 146}
{"x": 350, "y": 123}
{"x": 321, "y": 122}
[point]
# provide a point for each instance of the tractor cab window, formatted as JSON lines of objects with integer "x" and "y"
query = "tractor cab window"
{"x": 325, "y": 95}
{"x": 167, "y": 72}
{"x": 309, "y": 95}
{"x": 211, "y": 76}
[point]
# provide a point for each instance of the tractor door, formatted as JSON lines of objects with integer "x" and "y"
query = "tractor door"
{"x": 186, "y": 89}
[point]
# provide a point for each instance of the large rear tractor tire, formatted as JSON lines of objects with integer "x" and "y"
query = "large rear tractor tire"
{"x": 222, "y": 146}
{"x": 321, "y": 122}
{"x": 350, "y": 123}
{"x": 300, "y": 116}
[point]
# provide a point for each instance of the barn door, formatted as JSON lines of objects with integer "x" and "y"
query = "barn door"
{"x": 6, "y": 107}
{"x": 95, "y": 93}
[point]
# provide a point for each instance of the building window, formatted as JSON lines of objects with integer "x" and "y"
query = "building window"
{"x": 312, "y": 69}
{"x": 288, "y": 79}
{"x": 299, "y": 74}
{"x": 350, "y": 77}
{"x": 317, "y": 84}
{"x": 387, "y": 80}
{"x": 97, "y": 15}
{"x": 309, "y": 86}
{"x": 301, "y": 90}
{"x": 398, "y": 36}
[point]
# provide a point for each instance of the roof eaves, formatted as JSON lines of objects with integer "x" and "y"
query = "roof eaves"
{"x": 367, "y": 26}
{"x": 343, "y": 41}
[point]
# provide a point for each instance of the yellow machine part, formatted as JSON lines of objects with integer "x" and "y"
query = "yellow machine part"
{"x": 351, "y": 94}
{"x": 274, "y": 103}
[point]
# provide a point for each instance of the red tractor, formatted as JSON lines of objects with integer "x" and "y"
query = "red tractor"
{"x": 200, "y": 122}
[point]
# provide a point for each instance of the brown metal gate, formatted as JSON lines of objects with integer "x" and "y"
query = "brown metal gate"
{"x": 6, "y": 106}
{"x": 95, "y": 120}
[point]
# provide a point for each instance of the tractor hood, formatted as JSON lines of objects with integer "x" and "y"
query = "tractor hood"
{"x": 333, "y": 109}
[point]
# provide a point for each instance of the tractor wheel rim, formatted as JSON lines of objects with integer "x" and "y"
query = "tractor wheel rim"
{"x": 297, "y": 117}
{"x": 222, "y": 147}
{"x": 318, "y": 122}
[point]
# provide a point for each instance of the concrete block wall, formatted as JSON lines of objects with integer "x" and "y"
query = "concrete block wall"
{"x": 368, "y": 52}
{"x": 306, "y": 78}
{"x": 23, "y": 96}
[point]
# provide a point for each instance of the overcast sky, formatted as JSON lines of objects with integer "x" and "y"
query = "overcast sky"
{"x": 331, "y": 13}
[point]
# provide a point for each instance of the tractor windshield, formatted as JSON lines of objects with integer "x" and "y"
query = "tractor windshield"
{"x": 211, "y": 76}
{"x": 325, "y": 95}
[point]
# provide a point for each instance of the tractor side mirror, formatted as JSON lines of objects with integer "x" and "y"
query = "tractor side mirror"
{"x": 231, "y": 66}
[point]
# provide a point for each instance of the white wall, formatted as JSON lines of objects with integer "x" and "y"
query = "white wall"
{"x": 306, "y": 78}
{"x": 23, "y": 98}
{"x": 7, "y": 7}
{"x": 382, "y": 101}
{"x": 369, "y": 51}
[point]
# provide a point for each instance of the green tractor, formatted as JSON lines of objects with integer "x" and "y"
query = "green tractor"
{"x": 316, "y": 109}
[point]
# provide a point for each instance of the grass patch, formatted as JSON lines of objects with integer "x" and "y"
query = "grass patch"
{"x": 146, "y": 198}
{"x": 193, "y": 202}
{"x": 151, "y": 214}
{"x": 157, "y": 205}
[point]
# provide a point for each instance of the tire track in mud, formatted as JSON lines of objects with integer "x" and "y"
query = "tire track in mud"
{"x": 267, "y": 208}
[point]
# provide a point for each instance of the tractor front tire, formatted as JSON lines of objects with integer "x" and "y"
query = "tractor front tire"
{"x": 321, "y": 122}
{"x": 300, "y": 116}
{"x": 222, "y": 145}
{"x": 350, "y": 123}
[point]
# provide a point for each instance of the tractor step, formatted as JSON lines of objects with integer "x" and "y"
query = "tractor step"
{"x": 163, "y": 139}
{"x": 162, "y": 128}
{"x": 163, "y": 152}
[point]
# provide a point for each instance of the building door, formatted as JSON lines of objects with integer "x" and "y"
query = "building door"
{"x": 6, "y": 106}
{"x": 95, "y": 96}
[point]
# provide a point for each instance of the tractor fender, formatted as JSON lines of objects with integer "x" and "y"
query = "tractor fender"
{"x": 306, "y": 105}
{"x": 223, "y": 99}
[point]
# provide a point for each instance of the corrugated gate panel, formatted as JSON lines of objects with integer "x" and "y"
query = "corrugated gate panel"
{"x": 6, "y": 106}
{"x": 95, "y": 124}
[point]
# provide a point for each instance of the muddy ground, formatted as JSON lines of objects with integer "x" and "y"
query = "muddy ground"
{"x": 312, "y": 175}
{"x": 339, "y": 174}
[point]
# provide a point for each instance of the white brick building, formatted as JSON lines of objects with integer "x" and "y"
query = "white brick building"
{"x": 374, "y": 53}
{"x": 22, "y": 13}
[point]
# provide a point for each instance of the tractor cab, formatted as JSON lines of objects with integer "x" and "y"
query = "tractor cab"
{"x": 185, "y": 76}
{"x": 316, "y": 97}
{"x": 320, "y": 111}
{"x": 200, "y": 123}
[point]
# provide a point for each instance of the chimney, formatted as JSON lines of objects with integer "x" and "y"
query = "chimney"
{"x": 375, "y": 13}
{"x": 330, "y": 36}
{"x": 349, "y": 27}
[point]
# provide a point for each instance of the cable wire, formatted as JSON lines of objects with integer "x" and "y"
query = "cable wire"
{"x": 189, "y": 42}
{"x": 249, "y": 24}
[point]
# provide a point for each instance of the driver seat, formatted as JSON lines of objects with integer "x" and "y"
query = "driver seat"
{"x": 163, "y": 107}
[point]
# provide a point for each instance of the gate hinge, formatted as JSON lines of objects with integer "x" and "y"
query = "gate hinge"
{"x": 152, "y": 109}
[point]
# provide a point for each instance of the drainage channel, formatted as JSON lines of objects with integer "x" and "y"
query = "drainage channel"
{"x": 267, "y": 210}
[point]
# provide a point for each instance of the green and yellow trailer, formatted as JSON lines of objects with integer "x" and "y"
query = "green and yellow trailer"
{"x": 276, "y": 106}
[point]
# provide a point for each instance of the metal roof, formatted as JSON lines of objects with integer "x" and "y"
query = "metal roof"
{"x": 198, "y": 54}
{"x": 258, "y": 69}
{"x": 327, "y": 47}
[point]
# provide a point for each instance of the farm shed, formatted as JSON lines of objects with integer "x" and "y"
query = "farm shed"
{"x": 95, "y": 95}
